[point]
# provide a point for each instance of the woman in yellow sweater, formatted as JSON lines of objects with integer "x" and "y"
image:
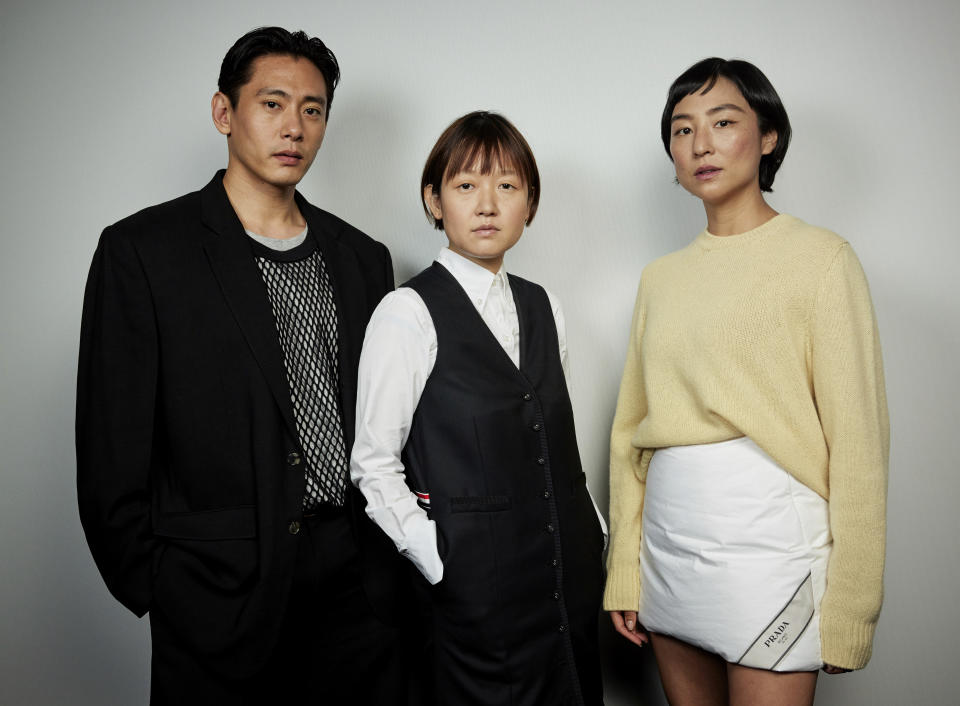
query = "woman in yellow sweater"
{"x": 749, "y": 450}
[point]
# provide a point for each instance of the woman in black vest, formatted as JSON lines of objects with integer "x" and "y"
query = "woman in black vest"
{"x": 466, "y": 450}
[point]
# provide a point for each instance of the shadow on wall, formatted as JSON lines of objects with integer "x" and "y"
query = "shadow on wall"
{"x": 823, "y": 145}
{"x": 368, "y": 173}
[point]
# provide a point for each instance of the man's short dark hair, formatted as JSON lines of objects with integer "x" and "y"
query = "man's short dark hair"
{"x": 237, "y": 64}
{"x": 485, "y": 140}
{"x": 759, "y": 94}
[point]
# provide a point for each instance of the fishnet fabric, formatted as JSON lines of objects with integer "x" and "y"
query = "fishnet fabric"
{"x": 301, "y": 296}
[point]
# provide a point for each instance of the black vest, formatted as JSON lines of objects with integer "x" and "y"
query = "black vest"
{"x": 494, "y": 447}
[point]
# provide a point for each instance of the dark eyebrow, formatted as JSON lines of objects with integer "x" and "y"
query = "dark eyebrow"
{"x": 283, "y": 94}
{"x": 471, "y": 172}
{"x": 726, "y": 106}
{"x": 717, "y": 109}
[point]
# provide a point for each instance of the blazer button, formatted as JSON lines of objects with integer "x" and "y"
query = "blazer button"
{"x": 527, "y": 397}
{"x": 536, "y": 427}
{"x": 562, "y": 628}
{"x": 549, "y": 529}
{"x": 554, "y": 562}
{"x": 294, "y": 527}
{"x": 556, "y": 595}
{"x": 546, "y": 494}
{"x": 541, "y": 461}
{"x": 293, "y": 459}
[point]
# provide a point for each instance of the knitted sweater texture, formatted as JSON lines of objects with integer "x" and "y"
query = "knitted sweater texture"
{"x": 768, "y": 334}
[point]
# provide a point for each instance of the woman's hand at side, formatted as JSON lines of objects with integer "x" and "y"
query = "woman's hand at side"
{"x": 625, "y": 623}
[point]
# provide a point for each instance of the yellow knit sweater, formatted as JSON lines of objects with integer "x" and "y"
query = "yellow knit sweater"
{"x": 769, "y": 334}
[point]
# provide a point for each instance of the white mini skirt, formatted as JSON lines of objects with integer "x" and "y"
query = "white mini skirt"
{"x": 734, "y": 555}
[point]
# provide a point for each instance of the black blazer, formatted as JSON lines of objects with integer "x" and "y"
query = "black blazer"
{"x": 187, "y": 475}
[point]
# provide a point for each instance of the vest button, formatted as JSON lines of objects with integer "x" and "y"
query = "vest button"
{"x": 541, "y": 461}
{"x": 536, "y": 427}
{"x": 562, "y": 628}
{"x": 556, "y": 595}
{"x": 527, "y": 397}
{"x": 546, "y": 494}
{"x": 553, "y": 562}
{"x": 549, "y": 528}
{"x": 294, "y": 527}
{"x": 293, "y": 459}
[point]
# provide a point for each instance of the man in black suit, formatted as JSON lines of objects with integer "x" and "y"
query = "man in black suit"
{"x": 215, "y": 411}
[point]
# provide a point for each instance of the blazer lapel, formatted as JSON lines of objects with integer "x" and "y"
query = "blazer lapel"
{"x": 346, "y": 277}
{"x": 228, "y": 250}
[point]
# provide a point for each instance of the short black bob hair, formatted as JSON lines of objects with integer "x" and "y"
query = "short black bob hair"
{"x": 237, "y": 64}
{"x": 759, "y": 94}
{"x": 486, "y": 140}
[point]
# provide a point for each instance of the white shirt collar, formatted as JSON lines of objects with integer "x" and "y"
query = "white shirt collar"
{"x": 477, "y": 281}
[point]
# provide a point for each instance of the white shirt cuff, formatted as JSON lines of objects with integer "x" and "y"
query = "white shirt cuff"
{"x": 421, "y": 548}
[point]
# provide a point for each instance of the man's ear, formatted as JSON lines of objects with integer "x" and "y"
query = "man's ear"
{"x": 768, "y": 143}
{"x": 222, "y": 111}
{"x": 432, "y": 200}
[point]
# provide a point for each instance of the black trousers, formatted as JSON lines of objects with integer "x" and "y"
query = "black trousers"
{"x": 332, "y": 648}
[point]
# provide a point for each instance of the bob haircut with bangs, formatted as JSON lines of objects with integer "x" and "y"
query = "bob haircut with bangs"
{"x": 755, "y": 88}
{"x": 485, "y": 141}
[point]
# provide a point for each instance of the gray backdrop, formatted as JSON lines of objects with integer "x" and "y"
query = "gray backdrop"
{"x": 105, "y": 110}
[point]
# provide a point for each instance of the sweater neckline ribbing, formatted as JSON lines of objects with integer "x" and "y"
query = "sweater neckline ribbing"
{"x": 777, "y": 224}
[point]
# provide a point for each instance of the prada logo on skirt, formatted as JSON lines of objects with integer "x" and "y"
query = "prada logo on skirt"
{"x": 775, "y": 641}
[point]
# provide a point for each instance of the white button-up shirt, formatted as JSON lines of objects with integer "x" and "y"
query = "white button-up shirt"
{"x": 399, "y": 352}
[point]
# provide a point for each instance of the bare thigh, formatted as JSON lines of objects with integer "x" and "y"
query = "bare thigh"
{"x": 694, "y": 677}
{"x": 759, "y": 687}
{"x": 690, "y": 676}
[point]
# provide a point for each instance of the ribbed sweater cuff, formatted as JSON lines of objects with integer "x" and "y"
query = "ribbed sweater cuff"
{"x": 623, "y": 588}
{"x": 846, "y": 643}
